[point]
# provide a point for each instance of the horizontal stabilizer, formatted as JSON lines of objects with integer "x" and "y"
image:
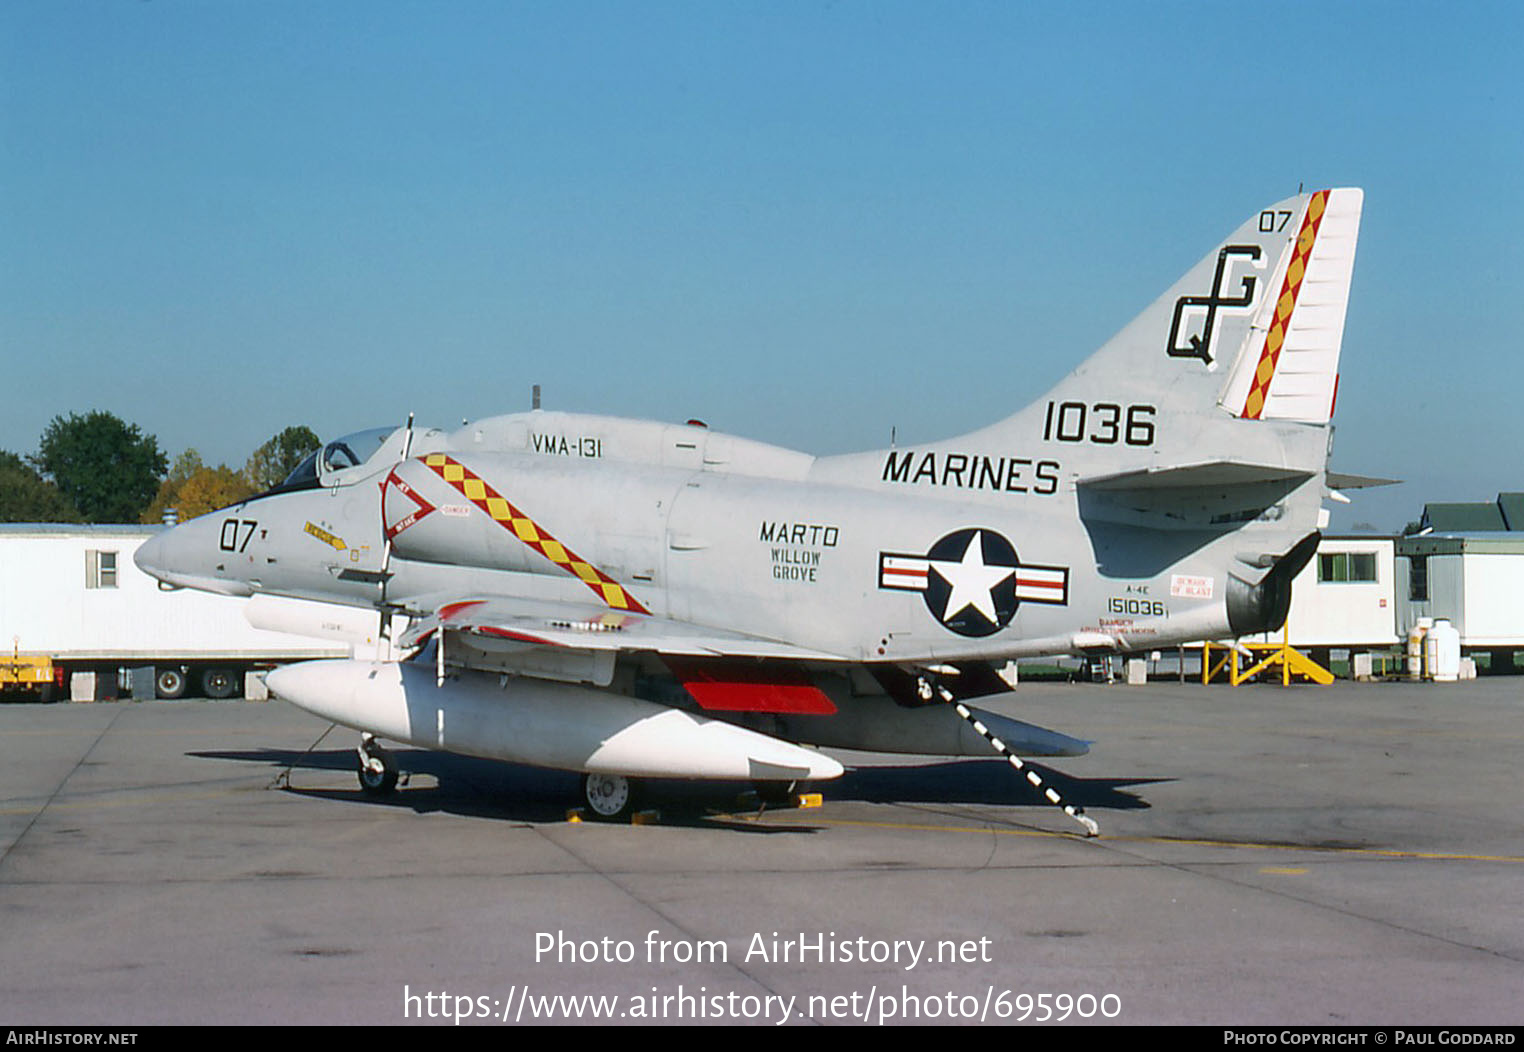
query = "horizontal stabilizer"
{"x": 1208, "y": 475}
{"x": 1216, "y": 495}
{"x": 1338, "y": 480}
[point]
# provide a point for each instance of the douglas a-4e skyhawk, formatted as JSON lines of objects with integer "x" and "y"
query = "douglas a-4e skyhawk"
{"x": 633, "y": 599}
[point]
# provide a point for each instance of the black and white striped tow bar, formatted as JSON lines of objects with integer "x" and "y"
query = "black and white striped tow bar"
{"x": 1076, "y": 813}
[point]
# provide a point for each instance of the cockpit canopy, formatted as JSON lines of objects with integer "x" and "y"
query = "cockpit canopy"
{"x": 327, "y": 466}
{"x": 354, "y": 449}
{"x": 305, "y": 474}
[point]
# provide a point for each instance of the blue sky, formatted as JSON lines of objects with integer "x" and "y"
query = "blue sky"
{"x": 804, "y": 223}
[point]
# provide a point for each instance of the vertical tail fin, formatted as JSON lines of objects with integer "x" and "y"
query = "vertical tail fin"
{"x": 1206, "y": 412}
{"x": 1252, "y": 331}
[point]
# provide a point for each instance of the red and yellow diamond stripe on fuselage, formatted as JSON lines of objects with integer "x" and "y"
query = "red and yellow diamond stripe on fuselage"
{"x": 1264, "y": 372}
{"x": 500, "y": 510}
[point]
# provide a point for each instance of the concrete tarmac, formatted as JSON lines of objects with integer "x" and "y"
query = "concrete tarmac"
{"x": 1343, "y": 855}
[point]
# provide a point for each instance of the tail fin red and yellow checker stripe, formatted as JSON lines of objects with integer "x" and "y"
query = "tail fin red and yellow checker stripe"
{"x": 1275, "y": 339}
{"x": 501, "y": 510}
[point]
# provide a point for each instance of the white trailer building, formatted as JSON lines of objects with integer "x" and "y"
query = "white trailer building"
{"x": 1344, "y": 599}
{"x": 1476, "y": 580}
{"x": 73, "y": 594}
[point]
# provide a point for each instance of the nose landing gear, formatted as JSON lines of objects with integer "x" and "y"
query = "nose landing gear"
{"x": 377, "y": 768}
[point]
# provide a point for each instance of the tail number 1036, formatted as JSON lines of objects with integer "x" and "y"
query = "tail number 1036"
{"x": 1104, "y": 423}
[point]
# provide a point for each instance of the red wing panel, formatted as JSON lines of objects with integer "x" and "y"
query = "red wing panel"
{"x": 744, "y": 686}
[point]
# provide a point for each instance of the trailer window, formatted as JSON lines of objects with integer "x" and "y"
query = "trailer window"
{"x": 1418, "y": 578}
{"x": 100, "y": 569}
{"x": 1354, "y": 567}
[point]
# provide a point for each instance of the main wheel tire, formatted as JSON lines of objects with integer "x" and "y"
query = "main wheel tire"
{"x": 611, "y": 797}
{"x": 219, "y": 683}
{"x": 169, "y": 683}
{"x": 377, "y": 771}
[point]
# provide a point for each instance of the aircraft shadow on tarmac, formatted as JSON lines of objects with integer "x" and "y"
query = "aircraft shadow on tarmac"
{"x": 464, "y": 785}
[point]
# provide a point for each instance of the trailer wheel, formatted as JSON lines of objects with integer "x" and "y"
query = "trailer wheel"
{"x": 219, "y": 683}
{"x": 169, "y": 683}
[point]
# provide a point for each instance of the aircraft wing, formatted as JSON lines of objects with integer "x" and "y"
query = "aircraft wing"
{"x": 500, "y": 623}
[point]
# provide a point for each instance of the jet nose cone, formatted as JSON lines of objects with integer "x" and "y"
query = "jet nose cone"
{"x": 150, "y": 555}
{"x": 354, "y": 693}
{"x": 185, "y": 556}
{"x": 282, "y": 682}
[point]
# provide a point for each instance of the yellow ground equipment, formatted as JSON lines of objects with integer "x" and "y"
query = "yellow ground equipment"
{"x": 1263, "y": 656}
{"x": 33, "y": 674}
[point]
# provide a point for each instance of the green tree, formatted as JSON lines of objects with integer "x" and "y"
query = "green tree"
{"x": 180, "y": 472}
{"x": 26, "y": 496}
{"x": 272, "y": 462}
{"x": 106, "y": 467}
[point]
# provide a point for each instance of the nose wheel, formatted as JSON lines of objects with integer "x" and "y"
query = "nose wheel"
{"x": 611, "y": 797}
{"x": 377, "y": 769}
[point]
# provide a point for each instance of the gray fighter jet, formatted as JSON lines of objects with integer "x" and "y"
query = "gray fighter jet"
{"x": 634, "y": 599}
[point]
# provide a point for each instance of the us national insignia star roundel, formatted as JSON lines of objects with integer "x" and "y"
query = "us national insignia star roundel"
{"x": 972, "y": 585}
{"x": 972, "y": 580}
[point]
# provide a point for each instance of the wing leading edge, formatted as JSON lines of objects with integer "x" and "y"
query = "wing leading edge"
{"x": 596, "y": 628}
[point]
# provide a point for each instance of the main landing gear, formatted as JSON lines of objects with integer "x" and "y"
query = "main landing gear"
{"x": 378, "y": 770}
{"x": 610, "y": 797}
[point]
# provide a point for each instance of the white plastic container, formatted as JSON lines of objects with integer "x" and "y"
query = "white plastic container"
{"x": 1416, "y": 654}
{"x": 1442, "y": 652}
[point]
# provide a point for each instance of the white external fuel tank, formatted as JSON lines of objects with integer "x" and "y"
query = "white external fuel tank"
{"x": 540, "y": 723}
